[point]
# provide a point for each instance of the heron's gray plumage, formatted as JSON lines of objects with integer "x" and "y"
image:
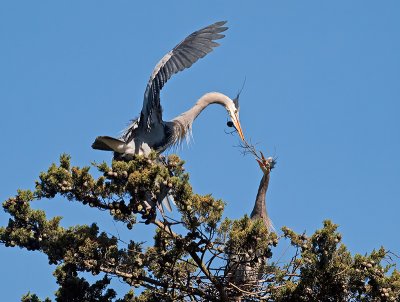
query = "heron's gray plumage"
{"x": 182, "y": 56}
{"x": 149, "y": 132}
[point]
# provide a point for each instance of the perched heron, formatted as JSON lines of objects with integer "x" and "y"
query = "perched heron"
{"x": 243, "y": 271}
{"x": 149, "y": 131}
{"x": 260, "y": 207}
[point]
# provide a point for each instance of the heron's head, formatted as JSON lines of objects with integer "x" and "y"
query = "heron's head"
{"x": 266, "y": 164}
{"x": 233, "y": 111}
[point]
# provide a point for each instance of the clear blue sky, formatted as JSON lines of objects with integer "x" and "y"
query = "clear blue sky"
{"x": 322, "y": 94}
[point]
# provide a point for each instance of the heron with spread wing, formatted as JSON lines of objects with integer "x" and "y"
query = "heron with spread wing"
{"x": 149, "y": 131}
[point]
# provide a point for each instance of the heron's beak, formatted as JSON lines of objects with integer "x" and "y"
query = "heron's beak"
{"x": 236, "y": 123}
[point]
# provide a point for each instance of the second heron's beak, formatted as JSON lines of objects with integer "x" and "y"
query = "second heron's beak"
{"x": 236, "y": 124}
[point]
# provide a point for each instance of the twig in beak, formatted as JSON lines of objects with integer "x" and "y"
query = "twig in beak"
{"x": 269, "y": 162}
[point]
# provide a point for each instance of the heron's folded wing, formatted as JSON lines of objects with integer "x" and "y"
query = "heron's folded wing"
{"x": 194, "y": 47}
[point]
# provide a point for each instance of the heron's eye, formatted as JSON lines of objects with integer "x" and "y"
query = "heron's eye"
{"x": 229, "y": 124}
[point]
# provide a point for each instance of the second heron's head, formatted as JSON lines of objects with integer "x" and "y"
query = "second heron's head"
{"x": 266, "y": 164}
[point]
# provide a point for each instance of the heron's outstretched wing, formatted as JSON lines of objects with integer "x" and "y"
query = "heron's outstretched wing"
{"x": 194, "y": 47}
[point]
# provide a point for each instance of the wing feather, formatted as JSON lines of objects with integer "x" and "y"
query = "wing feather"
{"x": 169, "y": 67}
{"x": 193, "y": 56}
{"x": 184, "y": 60}
{"x": 188, "y": 58}
{"x": 182, "y": 56}
{"x": 205, "y": 43}
{"x": 196, "y": 51}
{"x": 177, "y": 63}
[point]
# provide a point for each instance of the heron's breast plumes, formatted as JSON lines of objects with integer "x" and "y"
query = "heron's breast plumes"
{"x": 178, "y": 131}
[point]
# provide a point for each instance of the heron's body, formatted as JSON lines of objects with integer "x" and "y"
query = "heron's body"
{"x": 150, "y": 132}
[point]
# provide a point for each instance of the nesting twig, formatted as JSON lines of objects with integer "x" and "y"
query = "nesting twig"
{"x": 265, "y": 163}
{"x": 248, "y": 148}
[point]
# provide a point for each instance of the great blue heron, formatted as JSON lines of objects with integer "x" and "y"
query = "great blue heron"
{"x": 243, "y": 270}
{"x": 260, "y": 207}
{"x": 149, "y": 131}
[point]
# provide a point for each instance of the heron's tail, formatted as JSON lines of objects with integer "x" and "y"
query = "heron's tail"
{"x": 107, "y": 143}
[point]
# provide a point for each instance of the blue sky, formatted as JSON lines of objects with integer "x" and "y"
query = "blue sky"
{"x": 322, "y": 93}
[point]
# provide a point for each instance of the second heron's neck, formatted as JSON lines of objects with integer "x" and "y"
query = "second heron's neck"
{"x": 260, "y": 209}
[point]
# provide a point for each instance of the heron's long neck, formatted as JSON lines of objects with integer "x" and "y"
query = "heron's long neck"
{"x": 183, "y": 122}
{"x": 202, "y": 103}
{"x": 260, "y": 209}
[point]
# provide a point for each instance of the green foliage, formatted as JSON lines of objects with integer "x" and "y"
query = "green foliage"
{"x": 198, "y": 258}
{"x": 33, "y": 298}
{"x": 73, "y": 288}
